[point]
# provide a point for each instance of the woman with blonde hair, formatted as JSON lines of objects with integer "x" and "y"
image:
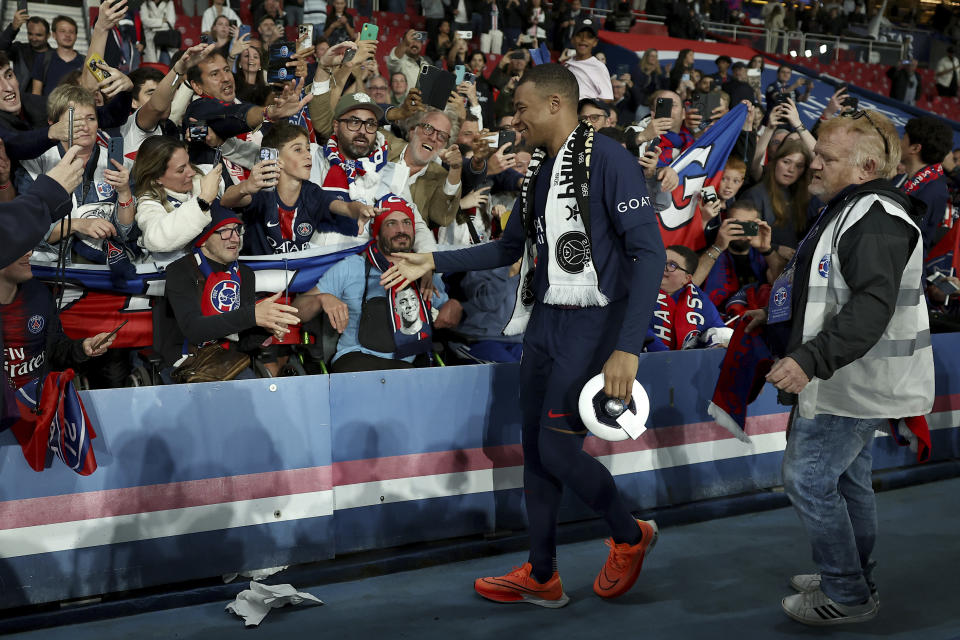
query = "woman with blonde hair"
{"x": 173, "y": 197}
{"x": 781, "y": 197}
{"x": 647, "y": 77}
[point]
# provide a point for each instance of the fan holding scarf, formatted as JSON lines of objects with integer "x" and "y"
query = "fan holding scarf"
{"x": 213, "y": 299}
{"x": 592, "y": 260}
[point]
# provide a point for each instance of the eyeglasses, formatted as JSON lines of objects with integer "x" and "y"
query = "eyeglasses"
{"x": 860, "y": 113}
{"x": 429, "y": 130}
{"x": 354, "y": 124}
{"x": 226, "y": 232}
{"x": 377, "y": 87}
{"x": 672, "y": 266}
{"x": 593, "y": 118}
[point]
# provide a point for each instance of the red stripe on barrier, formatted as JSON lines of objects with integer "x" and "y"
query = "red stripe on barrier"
{"x": 946, "y": 403}
{"x": 159, "y": 497}
{"x": 428, "y": 464}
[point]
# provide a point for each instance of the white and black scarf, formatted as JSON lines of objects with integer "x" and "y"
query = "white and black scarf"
{"x": 563, "y": 227}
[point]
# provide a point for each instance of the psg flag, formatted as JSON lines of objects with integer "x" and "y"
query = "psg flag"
{"x": 55, "y": 422}
{"x": 699, "y": 166}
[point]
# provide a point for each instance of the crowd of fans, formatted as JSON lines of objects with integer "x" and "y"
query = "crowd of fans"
{"x": 176, "y": 170}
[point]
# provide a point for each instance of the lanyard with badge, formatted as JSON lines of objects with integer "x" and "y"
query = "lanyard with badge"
{"x": 780, "y": 305}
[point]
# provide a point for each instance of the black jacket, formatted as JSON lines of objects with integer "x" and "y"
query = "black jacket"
{"x": 182, "y": 319}
{"x": 899, "y": 80}
{"x": 874, "y": 253}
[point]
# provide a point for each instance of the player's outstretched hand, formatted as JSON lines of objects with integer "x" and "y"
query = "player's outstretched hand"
{"x": 619, "y": 372}
{"x": 407, "y": 268}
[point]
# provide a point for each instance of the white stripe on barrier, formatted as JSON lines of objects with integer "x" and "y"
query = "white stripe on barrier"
{"x": 63, "y": 536}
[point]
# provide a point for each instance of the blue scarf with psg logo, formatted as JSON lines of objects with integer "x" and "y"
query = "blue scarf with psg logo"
{"x": 221, "y": 289}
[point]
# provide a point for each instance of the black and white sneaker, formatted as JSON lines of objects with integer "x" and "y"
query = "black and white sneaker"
{"x": 816, "y": 609}
{"x": 805, "y": 582}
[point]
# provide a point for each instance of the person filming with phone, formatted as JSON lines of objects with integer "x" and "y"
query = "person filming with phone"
{"x": 741, "y": 257}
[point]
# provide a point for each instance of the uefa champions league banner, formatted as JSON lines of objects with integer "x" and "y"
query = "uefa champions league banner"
{"x": 91, "y": 304}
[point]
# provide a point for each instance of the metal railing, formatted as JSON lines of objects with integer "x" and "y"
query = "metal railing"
{"x": 785, "y": 42}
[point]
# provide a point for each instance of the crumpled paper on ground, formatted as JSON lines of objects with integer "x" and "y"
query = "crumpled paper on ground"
{"x": 255, "y": 574}
{"x": 254, "y": 604}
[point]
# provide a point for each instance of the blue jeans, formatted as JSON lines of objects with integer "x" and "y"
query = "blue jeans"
{"x": 827, "y": 475}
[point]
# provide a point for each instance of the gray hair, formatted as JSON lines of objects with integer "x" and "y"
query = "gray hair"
{"x": 420, "y": 116}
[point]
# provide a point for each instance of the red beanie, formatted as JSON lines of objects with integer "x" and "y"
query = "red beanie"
{"x": 390, "y": 204}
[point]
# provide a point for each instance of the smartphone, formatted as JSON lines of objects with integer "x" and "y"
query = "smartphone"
{"x": 217, "y": 156}
{"x": 282, "y": 51}
{"x": 420, "y": 35}
{"x": 507, "y": 137}
{"x": 458, "y": 72}
{"x": 242, "y": 30}
{"x": 940, "y": 282}
{"x": 664, "y": 108}
{"x": 305, "y": 34}
{"x": 468, "y": 35}
{"x": 21, "y": 5}
{"x": 279, "y": 72}
{"x": 708, "y": 194}
{"x": 623, "y": 69}
{"x": 518, "y": 55}
{"x": 98, "y": 73}
{"x": 851, "y": 102}
{"x": 750, "y": 227}
{"x": 110, "y": 335}
{"x": 206, "y": 38}
{"x": 233, "y": 23}
{"x": 571, "y": 53}
{"x": 115, "y": 151}
{"x": 753, "y": 73}
{"x": 435, "y": 85}
{"x": 69, "y": 127}
{"x": 492, "y": 140}
{"x": 470, "y": 77}
{"x": 197, "y": 132}
{"x": 269, "y": 154}
{"x": 685, "y": 77}
{"x": 369, "y": 32}
{"x": 348, "y": 56}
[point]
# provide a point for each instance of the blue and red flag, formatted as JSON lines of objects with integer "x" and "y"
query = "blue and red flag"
{"x": 94, "y": 304}
{"x": 699, "y": 166}
{"x": 945, "y": 255}
{"x": 55, "y": 422}
{"x": 742, "y": 376}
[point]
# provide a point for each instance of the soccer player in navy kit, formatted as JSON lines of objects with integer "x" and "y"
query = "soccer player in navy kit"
{"x": 614, "y": 259}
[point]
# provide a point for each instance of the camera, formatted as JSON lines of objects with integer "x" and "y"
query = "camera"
{"x": 780, "y": 98}
{"x": 197, "y": 132}
{"x": 850, "y": 102}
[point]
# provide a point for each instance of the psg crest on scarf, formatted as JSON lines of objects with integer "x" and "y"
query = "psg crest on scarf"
{"x": 225, "y": 295}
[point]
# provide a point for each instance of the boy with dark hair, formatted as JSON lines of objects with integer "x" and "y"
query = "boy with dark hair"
{"x": 281, "y": 207}
{"x": 925, "y": 143}
{"x": 145, "y": 81}
{"x": 684, "y": 312}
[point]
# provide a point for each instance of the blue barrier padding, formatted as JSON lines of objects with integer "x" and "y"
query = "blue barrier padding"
{"x": 196, "y": 481}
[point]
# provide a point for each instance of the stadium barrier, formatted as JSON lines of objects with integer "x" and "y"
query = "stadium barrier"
{"x": 201, "y": 480}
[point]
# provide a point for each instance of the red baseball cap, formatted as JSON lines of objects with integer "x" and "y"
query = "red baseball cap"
{"x": 391, "y": 203}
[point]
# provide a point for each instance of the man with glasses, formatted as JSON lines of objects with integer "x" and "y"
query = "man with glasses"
{"x": 355, "y": 162}
{"x": 379, "y": 90}
{"x": 849, "y": 322}
{"x": 213, "y": 299}
{"x": 433, "y": 188}
{"x": 594, "y": 112}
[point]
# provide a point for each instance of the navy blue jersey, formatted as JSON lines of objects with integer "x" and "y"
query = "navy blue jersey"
{"x": 31, "y": 329}
{"x": 625, "y": 238}
{"x": 228, "y": 119}
{"x": 274, "y": 226}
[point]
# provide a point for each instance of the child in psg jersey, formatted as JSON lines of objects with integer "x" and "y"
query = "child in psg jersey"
{"x": 283, "y": 219}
